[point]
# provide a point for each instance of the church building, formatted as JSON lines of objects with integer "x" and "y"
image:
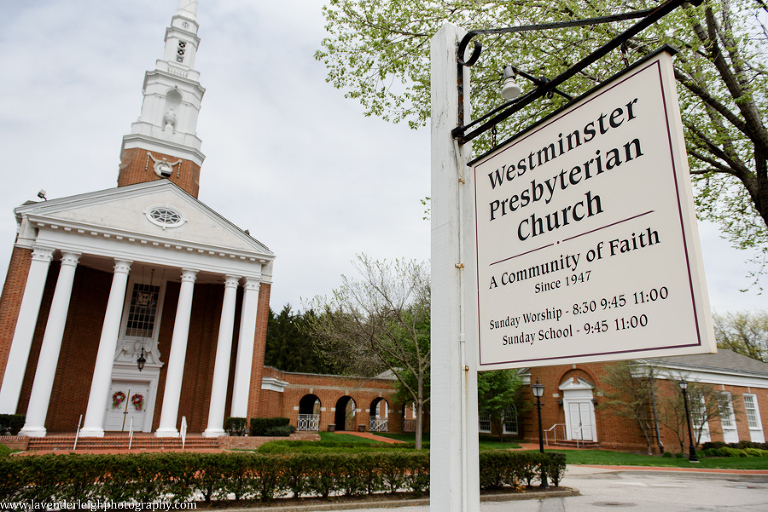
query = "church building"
{"x": 137, "y": 306}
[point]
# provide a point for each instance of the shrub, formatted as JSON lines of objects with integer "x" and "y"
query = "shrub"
{"x": 283, "y": 431}
{"x": 259, "y": 426}
{"x": 235, "y": 426}
{"x": 734, "y": 452}
{"x": 10, "y": 424}
{"x": 667, "y": 455}
{"x": 185, "y": 476}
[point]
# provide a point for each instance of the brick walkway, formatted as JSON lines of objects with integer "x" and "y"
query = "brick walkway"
{"x": 373, "y": 437}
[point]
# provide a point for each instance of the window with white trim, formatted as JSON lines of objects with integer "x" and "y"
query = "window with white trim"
{"x": 753, "y": 418}
{"x": 484, "y": 423}
{"x": 509, "y": 421}
{"x": 700, "y": 425}
{"x": 728, "y": 418}
{"x": 142, "y": 311}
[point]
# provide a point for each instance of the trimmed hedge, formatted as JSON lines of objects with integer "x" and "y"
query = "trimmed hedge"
{"x": 260, "y": 426}
{"x": 10, "y": 424}
{"x": 184, "y": 476}
{"x": 236, "y": 426}
{"x": 740, "y": 449}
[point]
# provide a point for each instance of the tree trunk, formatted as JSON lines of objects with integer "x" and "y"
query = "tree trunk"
{"x": 419, "y": 409}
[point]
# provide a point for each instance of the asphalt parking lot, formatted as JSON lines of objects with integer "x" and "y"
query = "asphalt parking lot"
{"x": 640, "y": 490}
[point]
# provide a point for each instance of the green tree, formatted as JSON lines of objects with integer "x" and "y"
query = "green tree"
{"x": 743, "y": 332}
{"x": 629, "y": 388}
{"x": 289, "y": 345}
{"x": 377, "y": 51}
{"x": 496, "y": 392}
{"x": 705, "y": 403}
{"x": 381, "y": 321}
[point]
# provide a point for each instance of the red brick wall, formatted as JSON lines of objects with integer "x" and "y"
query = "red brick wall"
{"x": 259, "y": 346}
{"x": 10, "y": 302}
{"x": 137, "y": 167}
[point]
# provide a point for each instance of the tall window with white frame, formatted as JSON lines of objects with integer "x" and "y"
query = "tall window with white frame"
{"x": 753, "y": 418}
{"x": 510, "y": 420}
{"x": 728, "y": 419}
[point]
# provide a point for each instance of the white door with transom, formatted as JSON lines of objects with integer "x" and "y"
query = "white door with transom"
{"x": 127, "y": 406}
{"x": 579, "y": 410}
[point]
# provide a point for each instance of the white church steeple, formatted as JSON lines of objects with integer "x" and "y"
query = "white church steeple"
{"x": 163, "y": 143}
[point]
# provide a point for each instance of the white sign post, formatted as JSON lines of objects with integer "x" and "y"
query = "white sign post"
{"x": 454, "y": 456}
{"x": 586, "y": 240}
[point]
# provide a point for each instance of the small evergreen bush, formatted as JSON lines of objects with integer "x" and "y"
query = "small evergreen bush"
{"x": 259, "y": 426}
{"x": 235, "y": 426}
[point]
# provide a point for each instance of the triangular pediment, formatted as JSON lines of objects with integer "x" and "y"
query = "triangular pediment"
{"x": 157, "y": 211}
{"x": 575, "y": 383}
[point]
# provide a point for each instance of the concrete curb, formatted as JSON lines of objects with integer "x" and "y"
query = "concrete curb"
{"x": 416, "y": 502}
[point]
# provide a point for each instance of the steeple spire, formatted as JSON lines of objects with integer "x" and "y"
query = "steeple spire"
{"x": 163, "y": 143}
{"x": 188, "y": 9}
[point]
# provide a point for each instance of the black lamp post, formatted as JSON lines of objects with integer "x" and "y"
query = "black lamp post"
{"x": 691, "y": 448}
{"x": 538, "y": 391}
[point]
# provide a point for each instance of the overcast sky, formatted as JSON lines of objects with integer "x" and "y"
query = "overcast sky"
{"x": 287, "y": 156}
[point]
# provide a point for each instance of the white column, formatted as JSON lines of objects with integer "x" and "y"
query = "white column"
{"x": 248, "y": 317}
{"x": 40, "y": 397}
{"x": 173, "y": 377}
{"x": 454, "y": 459}
{"x": 105, "y": 357}
{"x": 221, "y": 365}
{"x": 18, "y": 355}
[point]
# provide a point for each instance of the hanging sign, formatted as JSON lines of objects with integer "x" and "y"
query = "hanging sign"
{"x": 586, "y": 240}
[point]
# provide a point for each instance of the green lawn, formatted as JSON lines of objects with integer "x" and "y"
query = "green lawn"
{"x": 610, "y": 458}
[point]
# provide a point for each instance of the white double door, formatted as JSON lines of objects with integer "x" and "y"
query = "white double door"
{"x": 581, "y": 421}
{"x": 127, "y": 403}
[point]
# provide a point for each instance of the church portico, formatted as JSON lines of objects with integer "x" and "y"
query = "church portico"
{"x": 133, "y": 301}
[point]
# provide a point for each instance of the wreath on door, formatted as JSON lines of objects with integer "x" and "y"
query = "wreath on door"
{"x": 138, "y": 401}
{"x": 117, "y": 399}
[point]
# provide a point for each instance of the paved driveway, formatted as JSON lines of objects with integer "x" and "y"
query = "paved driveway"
{"x": 605, "y": 489}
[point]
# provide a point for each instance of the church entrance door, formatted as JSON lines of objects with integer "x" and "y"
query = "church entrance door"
{"x": 127, "y": 402}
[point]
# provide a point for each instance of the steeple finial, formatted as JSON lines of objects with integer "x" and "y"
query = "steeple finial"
{"x": 188, "y": 9}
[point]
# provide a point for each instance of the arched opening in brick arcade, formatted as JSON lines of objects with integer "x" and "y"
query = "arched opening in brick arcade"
{"x": 309, "y": 413}
{"x": 346, "y": 413}
{"x": 379, "y": 416}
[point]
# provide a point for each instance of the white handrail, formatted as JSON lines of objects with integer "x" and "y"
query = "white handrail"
{"x": 77, "y": 434}
{"x": 183, "y": 431}
{"x": 546, "y": 435}
{"x": 130, "y": 434}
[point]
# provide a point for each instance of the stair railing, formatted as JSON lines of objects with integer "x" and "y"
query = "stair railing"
{"x": 183, "y": 431}
{"x": 77, "y": 434}
{"x": 130, "y": 434}
{"x": 554, "y": 431}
